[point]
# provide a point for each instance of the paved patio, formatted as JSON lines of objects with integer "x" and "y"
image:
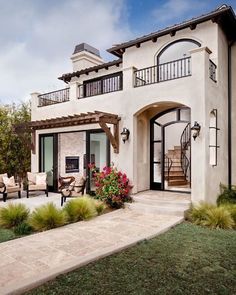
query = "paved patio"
{"x": 32, "y": 260}
{"x": 35, "y": 200}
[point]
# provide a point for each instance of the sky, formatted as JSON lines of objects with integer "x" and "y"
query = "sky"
{"x": 37, "y": 37}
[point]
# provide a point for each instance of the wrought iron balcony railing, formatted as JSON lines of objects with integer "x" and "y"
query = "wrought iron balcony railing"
{"x": 212, "y": 70}
{"x": 163, "y": 72}
{"x": 54, "y": 97}
{"x": 101, "y": 85}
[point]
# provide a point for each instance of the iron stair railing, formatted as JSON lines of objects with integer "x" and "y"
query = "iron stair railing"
{"x": 185, "y": 142}
{"x": 168, "y": 165}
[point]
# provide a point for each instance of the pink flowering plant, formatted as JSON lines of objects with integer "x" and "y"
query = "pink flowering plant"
{"x": 112, "y": 186}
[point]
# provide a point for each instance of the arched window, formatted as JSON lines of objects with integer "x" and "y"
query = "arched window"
{"x": 174, "y": 60}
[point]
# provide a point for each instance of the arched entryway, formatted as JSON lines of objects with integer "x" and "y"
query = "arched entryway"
{"x": 170, "y": 150}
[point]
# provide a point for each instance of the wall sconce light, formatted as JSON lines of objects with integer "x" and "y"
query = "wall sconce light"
{"x": 125, "y": 134}
{"x": 195, "y": 130}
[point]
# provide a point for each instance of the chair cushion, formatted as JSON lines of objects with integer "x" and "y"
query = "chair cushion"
{"x": 39, "y": 187}
{"x": 13, "y": 189}
{"x": 41, "y": 179}
{"x": 31, "y": 176}
{"x": 1, "y": 176}
{"x": 9, "y": 181}
{"x": 79, "y": 183}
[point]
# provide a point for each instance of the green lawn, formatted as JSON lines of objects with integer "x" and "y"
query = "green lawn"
{"x": 6, "y": 234}
{"x": 186, "y": 260}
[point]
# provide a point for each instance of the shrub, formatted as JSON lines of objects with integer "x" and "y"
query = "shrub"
{"x": 23, "y": 229}
{"x": 13, "y": 215}
{"x": 46, "y": 217}
{"x": 226, "y": 195}
{"x": 80, "y": 209}
{"x": 218, "y": 217}
{"x": 198, "y": 213}
{"x": 100, "y": 206}
{"x": 232, "y": 210}
{"x": 112, "y": 186}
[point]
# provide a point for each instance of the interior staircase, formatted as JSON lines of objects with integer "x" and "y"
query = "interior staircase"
{"x": 177, "y": 164}
{"x": 174, "y": 174}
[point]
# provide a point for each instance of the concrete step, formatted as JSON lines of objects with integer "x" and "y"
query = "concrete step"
{"x": 157, "y": 209}
{"x": 152, "y": 200}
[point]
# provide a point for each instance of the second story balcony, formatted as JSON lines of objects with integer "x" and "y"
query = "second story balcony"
{"x": 101, "y": 85}
{"x": 163, "y": 72}
{"x": 54, "y": 97}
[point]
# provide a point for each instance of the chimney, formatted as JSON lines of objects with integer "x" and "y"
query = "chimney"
{"x": 85, "y": 56}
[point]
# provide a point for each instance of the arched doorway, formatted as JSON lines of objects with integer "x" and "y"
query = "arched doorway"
{"x": 170, "y": 150}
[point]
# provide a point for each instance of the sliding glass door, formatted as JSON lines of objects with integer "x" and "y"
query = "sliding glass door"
{"x": 48, "y": 162}
{"x": 98, "y": 153}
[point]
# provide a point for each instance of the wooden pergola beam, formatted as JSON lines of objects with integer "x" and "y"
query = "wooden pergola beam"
{"x": 96, "y": 117}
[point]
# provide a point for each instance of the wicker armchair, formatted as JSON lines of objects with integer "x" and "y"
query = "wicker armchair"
{"x": 9, "y": 186}
{"x": 71, "y": 187}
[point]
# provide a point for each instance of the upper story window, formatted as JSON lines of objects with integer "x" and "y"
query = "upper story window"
{"x": 174, "y": 60}
{"x": 177, "y": 50}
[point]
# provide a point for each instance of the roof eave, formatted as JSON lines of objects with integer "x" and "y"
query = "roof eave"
{"x": 117, "y": 50}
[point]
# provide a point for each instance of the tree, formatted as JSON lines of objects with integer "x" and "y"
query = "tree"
{"x": 14, "y": 148}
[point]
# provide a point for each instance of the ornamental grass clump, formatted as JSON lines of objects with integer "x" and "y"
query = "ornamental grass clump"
{"x": 13, "y": 215}
{"x": 112, "y": 186}
{"x": 82, "y": 208}
{"x": 100, "y": 206}
{"x": 46, "y": 217}
{"x": 198, "y": 213}
{"x": 218, "y": 217}
{"x": 232, "y": 210}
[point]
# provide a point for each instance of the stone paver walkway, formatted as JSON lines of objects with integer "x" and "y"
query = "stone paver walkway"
{"x": 32, "y": 260}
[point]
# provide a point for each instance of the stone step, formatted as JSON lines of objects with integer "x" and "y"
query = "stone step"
{"x": 158, "y": 209}
{"x": 151, "y": 200}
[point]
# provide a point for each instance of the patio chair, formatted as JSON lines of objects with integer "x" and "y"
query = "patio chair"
{"x": 36, "y": 182}
{"x": 71, "y": 188}
{"x": 9, "y": 186}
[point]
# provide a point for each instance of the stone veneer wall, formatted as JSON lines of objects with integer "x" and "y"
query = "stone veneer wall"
{"x": 71, "y": 144}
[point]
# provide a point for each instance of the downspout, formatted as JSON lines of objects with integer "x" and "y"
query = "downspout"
{"x": 230, "y": 115}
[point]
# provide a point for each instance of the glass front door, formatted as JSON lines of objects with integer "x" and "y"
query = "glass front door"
{"x": 48, "y": 159}
{"x": 156, "y": 156}
{"x": 98, "y": 153}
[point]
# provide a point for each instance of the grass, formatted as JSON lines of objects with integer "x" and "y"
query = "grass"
{"x": 188, "y": 259}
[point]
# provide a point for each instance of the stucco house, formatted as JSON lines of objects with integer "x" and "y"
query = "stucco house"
{"x": 164, "y": 111}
